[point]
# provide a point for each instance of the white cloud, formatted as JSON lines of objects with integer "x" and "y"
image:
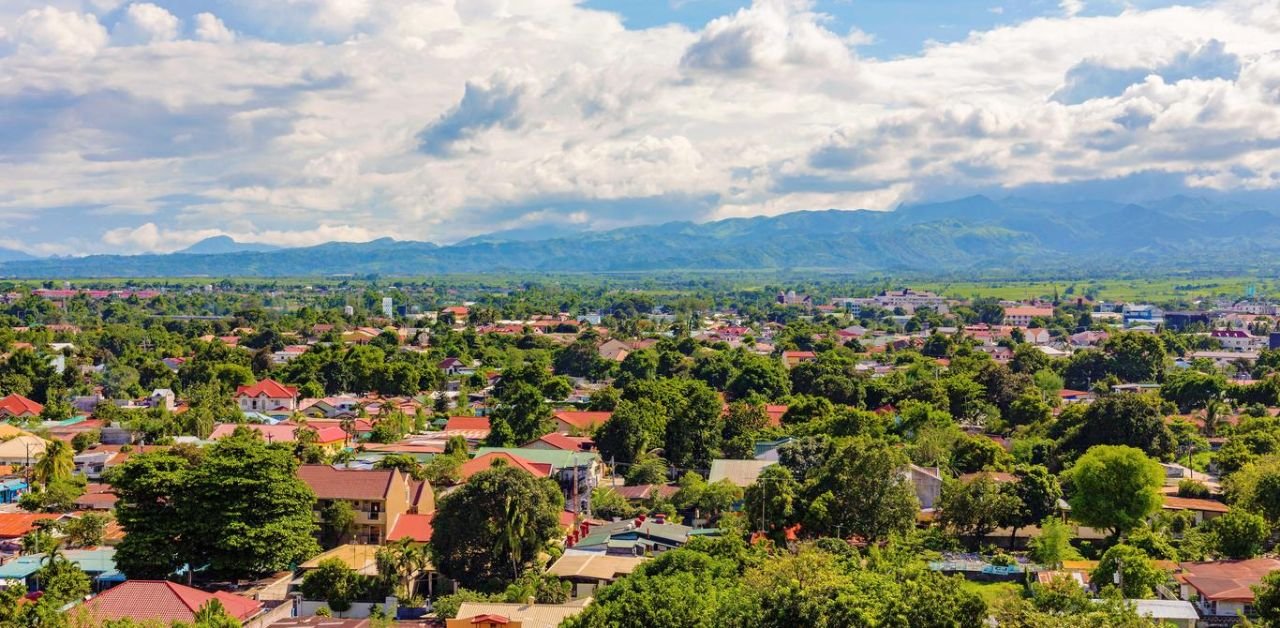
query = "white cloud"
{"x": 145, "y": 23}
{"x": 311, "y": 121}
{"x": 210, "y": 28}
{"x": 768, "y": 35}
{"x": 50, "y": 30}
{"x": 1071, "y": 8}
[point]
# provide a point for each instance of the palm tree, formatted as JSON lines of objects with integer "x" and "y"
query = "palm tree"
{"x": 515, "y": 532}
{"x": 56, "y": 464}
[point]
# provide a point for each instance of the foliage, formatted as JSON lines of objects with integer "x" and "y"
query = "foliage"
{"x": 861, "y": 490}
{"x": 1239, "y": 534}
{"x": 1137, "y": 574}
{"x": 489, "y": 529}
{"x": 1114, "y": 487}
{"x": 1053, "y": 545}
{"x": 975, "y": 507}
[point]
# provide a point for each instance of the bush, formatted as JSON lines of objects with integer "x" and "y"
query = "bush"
{"x": 1193, "y": 488}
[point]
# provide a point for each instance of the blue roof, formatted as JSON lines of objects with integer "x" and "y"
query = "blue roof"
{"x": 92, "y": 561}
{"x": 14, "y": 484}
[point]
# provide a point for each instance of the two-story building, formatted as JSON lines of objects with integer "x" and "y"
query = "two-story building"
{"x": 267, "y": 397}
{"x": 380, "y": 497}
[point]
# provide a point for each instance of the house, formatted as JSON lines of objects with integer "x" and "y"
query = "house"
{"x": 632, "y": 537}
{"x": 561, "y": 442}
{"x": 330, "y": 407}
{"x": 503, "y": 615}
{"x": 267, "y": 396}
{"x": 575, "y": 421}
{"x": 329, "y": 437}
{"x": 415, "y": 527}
{"x": 614, "y": 350}
{"x": 1139, "y": 315}
{"x": 379, "y": 497}
{"x": 288, "y": 353}
{"x": 454, "y": 366}
{"x": 1022, "y": 315}
{"x": 98, "y": 563}
{"x": 16, "y": 406}
{"x": 927, "y": 482}
{"x": 22, "y": 451}
{"x": 588, "y": 571}
{"x": 741, "y": 473}
{"x": 15, "y": 525}
{"x": 501, "y": 458}
{"x": 1088, "y": 338}
{"x": 1201, "y": 509}
{"x": 577, "y": 472}
{"x": 1234, "y": 339}
{"x": 472, "y": 428}
{"x": 1076, "y": 396}
{"x": 792, "y": 358}
{"x": 11, "y": 490}
{"x": 165, "y": 602}
{"x": 646, "y": 492}
{"x": 1222, "y": 589}
{"x": 162, "y": 398}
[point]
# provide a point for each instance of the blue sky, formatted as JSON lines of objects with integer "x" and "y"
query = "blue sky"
{"x": 898, "y": 27}
{"x": 138, "y": 126}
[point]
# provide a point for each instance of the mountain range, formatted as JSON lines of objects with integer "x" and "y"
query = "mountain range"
{"x": 972, "y": 235}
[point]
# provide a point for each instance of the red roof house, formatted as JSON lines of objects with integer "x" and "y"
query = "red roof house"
{"x": 17, "y": 406}
{"x": 267, "y": 395}
{"x": 573, "y": 420}
{"x": 164, "y": 601}
{"x": 494, "y": 458}
{"x": 416, "y": 528}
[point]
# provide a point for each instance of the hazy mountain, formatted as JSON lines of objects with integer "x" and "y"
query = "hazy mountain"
{"x": 225, "y": 244}
{"x": 975, "y": 235}
{"x": 13, "y": 255}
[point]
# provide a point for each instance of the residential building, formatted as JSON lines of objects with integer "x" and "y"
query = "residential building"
{"x": 1135, "y": 315}
{"x": 165, "y": 602}
{"x": 792, "y": 358}
{"x": 503, "y": 615}
{"x": 267, "y": 396}
{"x": 614, "y": 350}
{"x": 16, "y": 406}
{"x": 502, "y": 458}
{"x": 588, "y": 571}
{"x": 1022, "y": 315}
{"x": 1235, "y": 339}
{"x": 633, "y": 537}
{"x": 741, "y": 473}
{"x": 379, "y": 497}
{"x": 577, "y": 472}
{"x": 574, "y": 421}
{"x": 1222, "y": 589}
{"x": 927, "y": 482}
{"x": 22, "y": 451}
{"x": 329, "y": 437}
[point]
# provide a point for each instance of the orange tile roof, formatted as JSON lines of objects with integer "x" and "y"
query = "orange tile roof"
{"x": 1227, "y": 580}
{"x": 164, "y": 601}
{"x": 1172, "y": 502}
{"x": 566, "y": 442}
{"x": 16, "y": 524}
{"x": 268, "y": 387}
{"x": 583, "y": 420}
{"x": 17, "y": 405}
{"x": 467, "y": 423}
{"x": 415, "y": 527}
{"x": 485, "y": 462}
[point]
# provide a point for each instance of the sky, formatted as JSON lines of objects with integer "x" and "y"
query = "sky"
{"x": 135, "y": 127}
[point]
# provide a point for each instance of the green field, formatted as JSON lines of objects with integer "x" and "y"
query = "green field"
{"x": 994, "y": 592}
{"x": 1157, "y": 289}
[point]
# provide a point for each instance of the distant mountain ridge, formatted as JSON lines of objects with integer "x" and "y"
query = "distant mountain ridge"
{"x": 224, "y": 244}
{"x": 970, "y": 235}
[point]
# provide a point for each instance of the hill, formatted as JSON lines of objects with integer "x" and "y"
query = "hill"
{"x": 970, "y": 235}
{"x": 224, "y": 244}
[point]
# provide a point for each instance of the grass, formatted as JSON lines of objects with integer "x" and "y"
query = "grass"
{"x": 994, "y": 592}
{"x": 1156, "y": 288}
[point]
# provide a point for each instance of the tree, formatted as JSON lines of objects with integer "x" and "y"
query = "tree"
{"x": 524, "y": 411}
{"x": 862, "y": 490}
{"x": 1239, "y": 534}
{"x": 1137, "y": 574}
{"x": 1190, "y": 389}
{"x": 214, "y": 615}
{"x": 87, "y": 530}
{"x": 635, "y": 428}
{"x": 1135, "y": 357}
{"x": 647, "y": 469}
{"x": 976, "y": 507}
{"x": 1114, "y": 487}
{"x": 490, "y": 527}
{"x": 237, "y": 506}
{"x": 56, "y": 465}
{"x": 772, "y": 497}
{"x": 1036, "y": 492}
{"x": 332, "y": 581}
{"x": 338, "y": 521}
{"x": 1266, "y": 600}
{"x": 1123, "y": 419}
{"x": 62, "y": 580}
{"x": 759, "y": 375}
{"x": 741, "y": 424}
{"x": 1053, "y": 546}
{"x": 693, "y": 431}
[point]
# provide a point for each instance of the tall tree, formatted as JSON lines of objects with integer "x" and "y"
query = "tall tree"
{"x": 862, "y": 489}
{"x": 1114, "y": 487}
{"x": 56, "y": 464}
{"x": 501, "y": 517}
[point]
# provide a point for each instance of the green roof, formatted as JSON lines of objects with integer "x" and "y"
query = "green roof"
{"x": 558, "y": 459}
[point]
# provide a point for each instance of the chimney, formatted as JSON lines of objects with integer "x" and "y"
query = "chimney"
{"x": 660, "y": 518}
